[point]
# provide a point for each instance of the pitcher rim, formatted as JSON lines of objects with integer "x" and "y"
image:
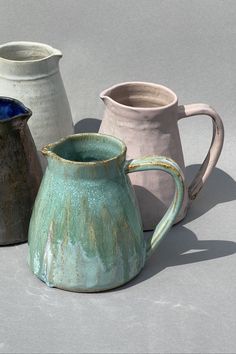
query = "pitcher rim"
{"x": 175, "y": 98}
{"x": 54, "y": 51}
{"x": 46, "y": 150}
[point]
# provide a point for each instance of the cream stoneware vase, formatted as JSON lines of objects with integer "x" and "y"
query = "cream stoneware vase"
{"x": 145, "y": 116}
{"x": 30, "y": 73}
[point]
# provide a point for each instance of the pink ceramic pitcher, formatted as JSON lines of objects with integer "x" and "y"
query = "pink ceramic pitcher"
{"x": 145, "y": 116}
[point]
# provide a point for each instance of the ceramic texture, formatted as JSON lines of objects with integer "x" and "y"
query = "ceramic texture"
{"x": 30, "y": 72}
{"x": 20, "y": 171}
{"x": 145, "y": 116}
{"x": 85, "y": 232}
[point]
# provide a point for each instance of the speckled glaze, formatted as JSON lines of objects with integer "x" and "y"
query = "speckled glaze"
{"x": 20, "y": 171}
{"x": 30, "y": 72}
{"x": 85, "y": 232}
{"x": 145, "y": 116}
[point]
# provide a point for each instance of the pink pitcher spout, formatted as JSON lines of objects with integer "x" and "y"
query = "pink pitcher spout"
{"x": 105, "y": 94}
{"x": 105, "y": 97}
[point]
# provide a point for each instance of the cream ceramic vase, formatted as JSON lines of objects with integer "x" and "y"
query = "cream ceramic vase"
{"x": 30, "y": 73}
{"x": 145, "y": 116}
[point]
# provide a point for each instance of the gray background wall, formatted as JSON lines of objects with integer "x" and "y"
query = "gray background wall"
{"x": 180, "y": 303}
{"x": 186, "y": 45}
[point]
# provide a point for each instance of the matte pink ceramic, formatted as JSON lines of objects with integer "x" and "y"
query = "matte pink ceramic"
{"x": 145, "y": 116}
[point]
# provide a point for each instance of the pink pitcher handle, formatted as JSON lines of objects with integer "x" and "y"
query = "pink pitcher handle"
{"x": 215, "y": 148}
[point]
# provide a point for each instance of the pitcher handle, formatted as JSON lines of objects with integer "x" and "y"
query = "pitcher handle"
{"x": 167, "y": 165}
{"x": 215, "y": 147}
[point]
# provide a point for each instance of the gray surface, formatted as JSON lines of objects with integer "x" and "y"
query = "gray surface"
{"x": 184, "y": 300}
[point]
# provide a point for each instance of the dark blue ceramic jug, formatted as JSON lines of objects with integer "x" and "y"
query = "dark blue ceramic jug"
{"x": 20, "y": 171}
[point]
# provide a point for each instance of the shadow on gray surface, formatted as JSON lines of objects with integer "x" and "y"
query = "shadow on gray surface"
{"x": 219, "y": 188}
{"x": 87, "y": 125}
{"x": 180, "y": 247}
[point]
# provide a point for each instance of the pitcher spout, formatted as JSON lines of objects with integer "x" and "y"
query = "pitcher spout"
{"x": 104, "y": 95}
{"x": 28, "y": 60}
{"x": 56, "y": 53}
{"x": 14, "y": 111}
{"x": 107, "y": 97}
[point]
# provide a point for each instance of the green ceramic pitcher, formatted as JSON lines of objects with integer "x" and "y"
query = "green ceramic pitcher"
{"x": 85, "y": 232}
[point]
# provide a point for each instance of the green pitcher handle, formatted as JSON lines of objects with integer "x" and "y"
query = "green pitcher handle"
{"x": 167, "y": 165}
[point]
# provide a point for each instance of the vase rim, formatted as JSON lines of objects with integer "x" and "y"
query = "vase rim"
{"x": 49, "y": 51}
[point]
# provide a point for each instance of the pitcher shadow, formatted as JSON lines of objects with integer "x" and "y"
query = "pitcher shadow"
{"x": 181, "y": 246}
{"x": 219, "y": 188}
{"x": 87, "y": 125}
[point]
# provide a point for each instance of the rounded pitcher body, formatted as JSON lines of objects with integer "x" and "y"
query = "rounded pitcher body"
{"x": 85, "y": 231}
{"x": 145, "y": 116}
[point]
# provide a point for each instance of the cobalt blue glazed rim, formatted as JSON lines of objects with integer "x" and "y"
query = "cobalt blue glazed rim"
{"x": 11, "y": 108}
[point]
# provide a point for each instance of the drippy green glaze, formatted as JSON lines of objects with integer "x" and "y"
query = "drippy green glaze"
{"x": 85, "y": 232}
